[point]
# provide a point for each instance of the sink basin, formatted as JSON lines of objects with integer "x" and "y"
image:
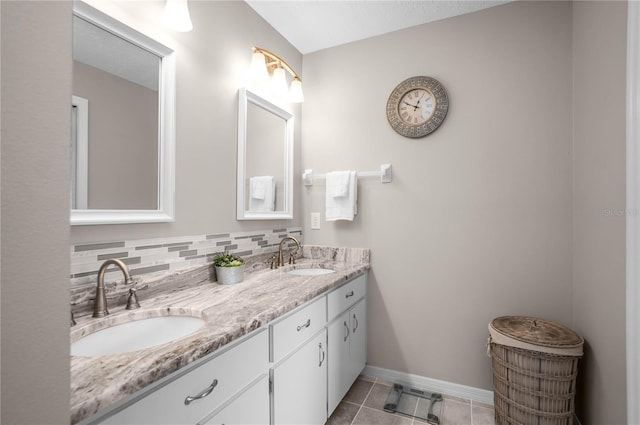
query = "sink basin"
{"x": 310, "y": 272}
{"x": 135, "y": 335}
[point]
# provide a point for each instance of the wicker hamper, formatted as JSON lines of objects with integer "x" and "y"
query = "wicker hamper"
{"x": 535, "y": 364}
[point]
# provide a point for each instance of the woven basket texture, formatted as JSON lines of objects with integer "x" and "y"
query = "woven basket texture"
{"x": 533, "y": 388}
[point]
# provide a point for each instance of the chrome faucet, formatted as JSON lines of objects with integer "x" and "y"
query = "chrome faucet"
{"x": 100, "y": 303}
{"x": 292, "y": 258}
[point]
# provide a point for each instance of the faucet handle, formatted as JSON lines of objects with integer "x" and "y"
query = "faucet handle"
{"x": 292, "y": 258}
{"x": 273, "y": 262}
{"x": 132, "y": 301}
{"x": 73, "y": 320}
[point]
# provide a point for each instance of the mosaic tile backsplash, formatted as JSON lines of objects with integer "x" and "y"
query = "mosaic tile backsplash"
{"x": 172, "y": 253}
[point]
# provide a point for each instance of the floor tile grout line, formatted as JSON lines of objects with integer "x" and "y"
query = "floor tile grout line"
{"x": 365, "y": 399}
{"x": 414, "y": 420}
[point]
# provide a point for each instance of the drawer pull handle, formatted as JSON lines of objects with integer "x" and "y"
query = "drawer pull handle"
{"x": 349, "y": 294}
{"x": 346, "y": 327}
{"x": 203, "y": 394}
{"x": 306, "y": 325}
{"x": 321, "y": 354}
{"x": 356, "y": 323}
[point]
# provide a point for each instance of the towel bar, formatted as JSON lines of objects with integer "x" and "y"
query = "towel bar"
{"x": 384, "y": 173}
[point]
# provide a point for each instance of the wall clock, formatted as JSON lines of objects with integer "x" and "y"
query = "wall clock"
{"x": 417, "y": 106}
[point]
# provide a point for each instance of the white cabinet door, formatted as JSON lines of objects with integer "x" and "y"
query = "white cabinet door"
{"x": 300, "y": 385}
{"x": 357, "y": 340}
{"x": 250, "y": 408}
{"x": 338, "y": 366}
{"x": 347, "y": 344}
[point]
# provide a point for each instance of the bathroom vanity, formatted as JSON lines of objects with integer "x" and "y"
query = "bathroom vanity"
{"x": 278, "y": 348}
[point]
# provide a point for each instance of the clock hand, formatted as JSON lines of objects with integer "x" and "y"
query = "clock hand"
{"x": 414, "y": 106}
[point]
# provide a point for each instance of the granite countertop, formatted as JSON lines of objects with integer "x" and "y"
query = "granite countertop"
{"x": 229, "y": 311}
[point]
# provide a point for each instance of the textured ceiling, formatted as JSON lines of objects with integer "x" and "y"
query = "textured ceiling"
{"x": 312, "y": 25}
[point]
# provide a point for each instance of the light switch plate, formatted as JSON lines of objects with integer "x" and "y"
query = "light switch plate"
{"x": 315, "y": 220}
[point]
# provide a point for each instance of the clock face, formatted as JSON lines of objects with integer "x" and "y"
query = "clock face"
{"x": 417, "y": 106}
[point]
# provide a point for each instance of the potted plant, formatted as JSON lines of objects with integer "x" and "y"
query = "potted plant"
{"x": 229, "y": 268}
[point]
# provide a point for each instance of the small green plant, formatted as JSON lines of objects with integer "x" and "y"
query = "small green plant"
{"x": 227, "y": 260}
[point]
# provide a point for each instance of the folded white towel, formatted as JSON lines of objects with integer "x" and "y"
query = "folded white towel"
{"x": 341, "y": 207}
{"x": 262, "y": 193}
{"x": 338, "y": 183}
{"x": 259, "y": 186}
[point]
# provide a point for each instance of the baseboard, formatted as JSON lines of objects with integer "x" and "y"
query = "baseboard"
{"x": 434, "y": 385}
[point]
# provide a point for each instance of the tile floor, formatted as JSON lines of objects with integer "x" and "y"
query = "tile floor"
{"x": 363, "y": 405}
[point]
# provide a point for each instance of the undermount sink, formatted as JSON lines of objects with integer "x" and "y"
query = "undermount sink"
{"x": 310, "y": 272}
{"x": 135, "y": 335}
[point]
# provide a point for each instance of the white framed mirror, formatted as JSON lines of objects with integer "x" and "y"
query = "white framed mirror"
{"x": 265, "y": 159}
{"x": 123, "y": 123}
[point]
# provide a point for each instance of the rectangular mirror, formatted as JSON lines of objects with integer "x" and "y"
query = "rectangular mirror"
{"x": 265, "y": 159}
{"x": 122, "y": 147}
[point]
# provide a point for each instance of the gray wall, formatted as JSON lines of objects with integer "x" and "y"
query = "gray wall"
{"x": 599, "y": 59}
{"x": 511, "y": 207}
{"x": 477, "y": 222}
{"x": 36, "y": 95}
{"x": 211, "y": 65}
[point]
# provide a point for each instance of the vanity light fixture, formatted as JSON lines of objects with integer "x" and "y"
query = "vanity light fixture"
{"x": 265, "y": 63}
{"x": 176, "y": 16}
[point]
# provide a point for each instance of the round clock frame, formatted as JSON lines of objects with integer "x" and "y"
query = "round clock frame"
{"x": 421, "y": 126}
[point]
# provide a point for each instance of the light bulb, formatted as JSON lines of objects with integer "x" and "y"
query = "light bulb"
{"x": 295, "y": 91}
{"x": 176, "y": 16}
{"x": 258, "y": 67}
{"x": 279, "y": 83}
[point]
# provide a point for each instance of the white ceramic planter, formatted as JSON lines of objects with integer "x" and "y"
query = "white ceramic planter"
{"x": 230, "y": 275}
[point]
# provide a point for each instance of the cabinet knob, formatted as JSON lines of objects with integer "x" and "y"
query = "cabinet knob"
{"x": 349, "y": 294}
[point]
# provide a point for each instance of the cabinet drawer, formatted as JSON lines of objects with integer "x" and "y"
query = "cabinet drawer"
{"x": 345, "y": 296}
{"x": 296, "y": 328}
{"x": 233, "y": 369}
{"x": 250, "y": 407}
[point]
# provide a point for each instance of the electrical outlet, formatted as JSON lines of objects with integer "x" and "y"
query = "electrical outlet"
{"x": 315, "y": 220}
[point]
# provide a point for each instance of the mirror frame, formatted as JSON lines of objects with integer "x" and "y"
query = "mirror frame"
{"x": 244, "y": 97}
{"x": 166, "y": 127}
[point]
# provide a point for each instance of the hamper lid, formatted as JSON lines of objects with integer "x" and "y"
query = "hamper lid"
{"x": 536, "y": 334}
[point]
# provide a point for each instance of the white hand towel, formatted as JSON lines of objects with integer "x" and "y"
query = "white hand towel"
{"x": 342, "y": 207}
{"x": 338, "y": 183}
{"x": 262, "y": 193}
{"x": 259, "y": 186}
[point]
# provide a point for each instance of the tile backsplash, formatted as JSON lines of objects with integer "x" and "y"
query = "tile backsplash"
{"x": 171, "y": 253}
